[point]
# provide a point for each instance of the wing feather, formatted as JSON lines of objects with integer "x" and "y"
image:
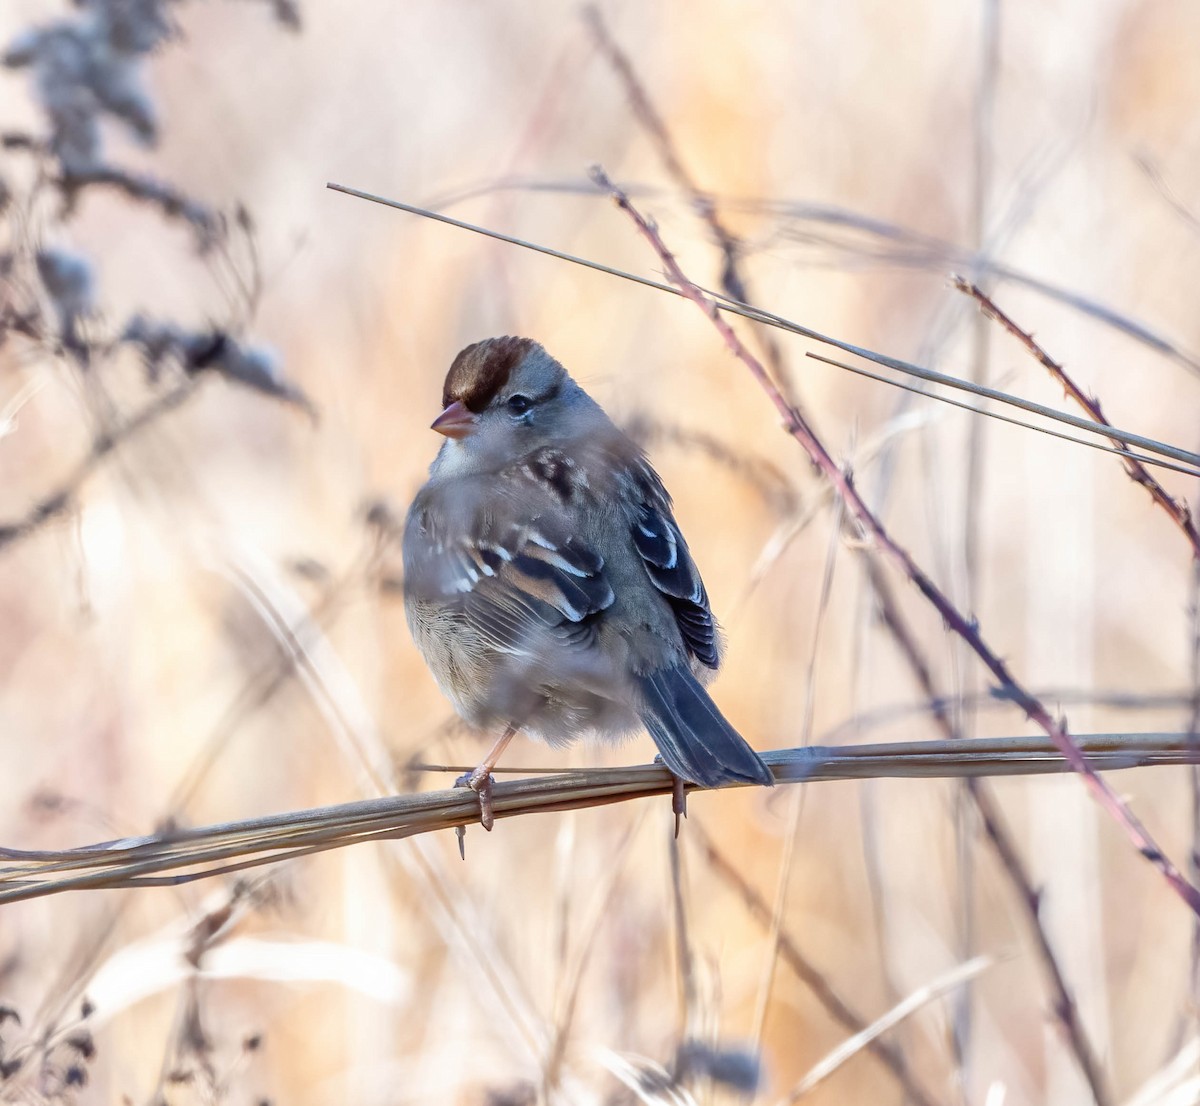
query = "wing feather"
{"x": 510, "y": 583}
{"x": 669, "y": 564}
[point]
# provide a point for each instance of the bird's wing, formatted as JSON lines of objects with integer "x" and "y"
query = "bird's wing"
{"x": 510, "y": 578}
{"x": 670, "y": 566}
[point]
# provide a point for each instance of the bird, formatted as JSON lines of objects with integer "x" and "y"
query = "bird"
{"x": 547, "y": 583}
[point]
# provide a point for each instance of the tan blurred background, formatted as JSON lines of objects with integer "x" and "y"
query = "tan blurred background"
{"x": 138, "y": 636}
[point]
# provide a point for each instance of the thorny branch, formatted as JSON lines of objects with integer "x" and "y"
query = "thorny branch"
{"x": 875, "y": 531}
{"x": 1177, "y": 509}
{"x": 999, "y": 837}
{"x": 735, "y": 285}
{"x": 733, "y": 280}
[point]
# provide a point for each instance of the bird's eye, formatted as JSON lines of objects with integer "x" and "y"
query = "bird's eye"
{"x": 519, "y": 404}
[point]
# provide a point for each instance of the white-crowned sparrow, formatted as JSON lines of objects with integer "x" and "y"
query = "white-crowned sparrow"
{"x": 546, "y": 581}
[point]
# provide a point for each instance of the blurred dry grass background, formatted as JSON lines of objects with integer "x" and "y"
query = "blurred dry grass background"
{"x": 137, "y": 634}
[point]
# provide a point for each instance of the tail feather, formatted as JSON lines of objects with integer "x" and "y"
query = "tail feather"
{"x": 695, "y": 740}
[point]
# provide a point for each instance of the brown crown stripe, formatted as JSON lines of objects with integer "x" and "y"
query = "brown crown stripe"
{"x": 482, "y": 369}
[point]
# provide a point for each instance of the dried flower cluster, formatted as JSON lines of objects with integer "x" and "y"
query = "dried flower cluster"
{"x": 87, "y": 70}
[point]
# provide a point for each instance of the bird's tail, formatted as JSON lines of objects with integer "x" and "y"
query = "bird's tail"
{"x": 695, "y": 740}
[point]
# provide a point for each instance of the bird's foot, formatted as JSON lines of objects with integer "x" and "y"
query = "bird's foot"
{"x": 480, "y": 781}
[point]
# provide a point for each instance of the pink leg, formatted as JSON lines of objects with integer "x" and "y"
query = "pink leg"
{"x": 480, "y": 779}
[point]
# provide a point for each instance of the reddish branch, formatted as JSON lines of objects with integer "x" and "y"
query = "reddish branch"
{"x": 1066, "y": 1013}
{"x": 1138, "y": 473}
{"x": 995, "y": 829}
{"x": 877, "y": 533}
{"x": 732, "y": 280}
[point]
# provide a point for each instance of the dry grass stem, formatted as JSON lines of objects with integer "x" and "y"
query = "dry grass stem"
{"x": 1120, "y": 450}
{"x": 54, "y": 504}
{"x": 832, "y": 1001}
{"x": 179, "y": 856}
{"x": 754, "y": 314}
{"x": 957, "y": 977}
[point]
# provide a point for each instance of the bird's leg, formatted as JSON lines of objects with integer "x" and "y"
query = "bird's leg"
{"x": 480, "y": 779}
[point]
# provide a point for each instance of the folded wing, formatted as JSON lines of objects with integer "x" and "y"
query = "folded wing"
{"x": 671, "y": 569}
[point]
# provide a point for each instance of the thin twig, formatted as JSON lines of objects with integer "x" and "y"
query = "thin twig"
{"x": 1177, "y": 509}
{"x": 1120, "y": 450}
{"x": 689, "y": 1009}
{"x": 1139, "y": 836}
{"x": 755, "y": 314}
{"x": 904, "y": 247}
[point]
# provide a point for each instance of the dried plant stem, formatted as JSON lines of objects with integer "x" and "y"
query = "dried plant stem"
{"x": 1119, "y": 450}
{"x": 57, "y": 502}
{"x": 952, "y": 980}
{"x": 791, "y": 954}
{"x": 1177, "y": 509}
{"x": 180, "y": 856}
{"x": 758, "y": 315}
{"x": 966, "y": 678}
{"x": 172, "y": 203}
{"x": 875, "y": 531}
{"x": 689, "y": 1006}
{"x": 1194, "y": 780}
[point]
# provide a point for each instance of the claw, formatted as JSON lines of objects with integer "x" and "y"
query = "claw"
{"x": 480, "y": 781}
{"x": 678, "y": 795}
{"x": 678, "y": 801}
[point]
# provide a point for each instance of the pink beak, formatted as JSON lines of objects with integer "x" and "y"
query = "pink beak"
{"x": 455, "y": 422}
